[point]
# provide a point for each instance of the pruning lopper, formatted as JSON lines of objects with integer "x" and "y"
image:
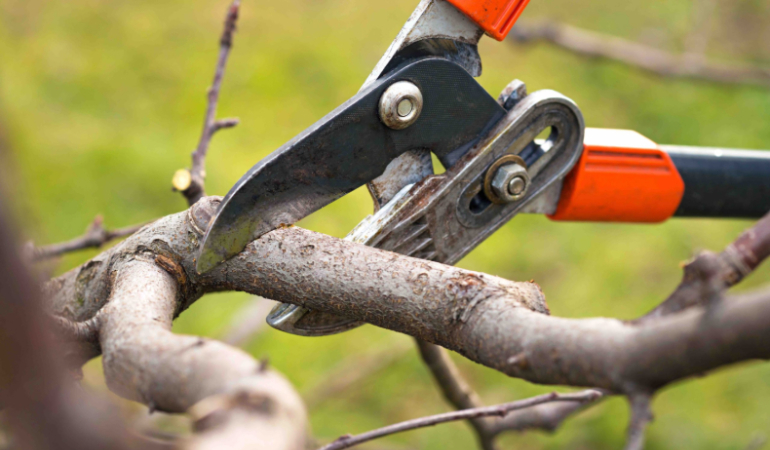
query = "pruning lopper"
{"x": 421, "y": 98}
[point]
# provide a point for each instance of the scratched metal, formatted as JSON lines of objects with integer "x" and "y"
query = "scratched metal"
{"x": 435, "y": 219}
{"x": 346, "y": 149}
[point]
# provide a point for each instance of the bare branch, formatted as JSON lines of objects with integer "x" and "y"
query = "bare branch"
{"x": 592, "y": 44}
{"x": 709, "y": 274}
{"x": 192, "y": 186}
{"x": 232, "y": 397}
{"x": 95, "y": 237}
{"x": 488, "y": 411}
{"x": 45, "y": 411}
{"x": 248, "y": 322}
{"x": 547, "y": 417}
{"x": 640, "y": 418}
{"x": 495, "y": 322}
{"x": 352, "y": 371}
{"x": 455, "y": 389}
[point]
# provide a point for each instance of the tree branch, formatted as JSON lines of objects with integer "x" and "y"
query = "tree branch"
{"x": 640, "y": 418}
{"x": 95, "y": 237}
{"x": 459, "y": 394}
{"x": 488, "y": 411}
{"x": 495, "y": 322}
{"x": 351, "y": 371}
{"x": 45, "y": 410}
{"x": 232, "y": 397}
{"x": 709, "y": 274}
{"x": 191, "y": 182}
{"x": 662, "y": 63}
{"x": 456, "y": 390}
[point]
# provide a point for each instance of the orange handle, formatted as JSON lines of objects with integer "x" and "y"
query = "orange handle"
{"x": 621, "y": 177}
{"x": 496, "y": 17}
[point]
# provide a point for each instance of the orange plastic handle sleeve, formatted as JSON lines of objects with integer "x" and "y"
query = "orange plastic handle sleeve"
{"x": 496, "y": 17}
{"x": 621, "y": 177}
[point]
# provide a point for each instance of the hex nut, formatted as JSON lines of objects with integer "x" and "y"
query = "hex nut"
{"x": 510, "y": 183}
{"x": 400, "y": 105}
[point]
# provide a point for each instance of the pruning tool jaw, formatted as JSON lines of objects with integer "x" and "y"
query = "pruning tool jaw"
{"x": 436, "y": 54}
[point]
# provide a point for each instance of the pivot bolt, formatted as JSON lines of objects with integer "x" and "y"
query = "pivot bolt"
{"x": 510, "y": 183}
{"x": 400, "y": 105}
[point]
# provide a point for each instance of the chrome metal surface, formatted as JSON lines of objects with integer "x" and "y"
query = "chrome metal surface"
{"x": 400, "y": 105}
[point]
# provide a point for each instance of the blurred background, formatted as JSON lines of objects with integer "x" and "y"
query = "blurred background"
{"x": 101, "y": 101}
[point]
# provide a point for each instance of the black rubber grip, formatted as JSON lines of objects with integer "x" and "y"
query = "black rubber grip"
{"x": 721, "y": 182}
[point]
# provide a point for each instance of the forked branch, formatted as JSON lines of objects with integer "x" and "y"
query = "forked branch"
{"x": 191, "y": 182}
{"x": 466, "y": 414}
{"x": 96, "y": 236}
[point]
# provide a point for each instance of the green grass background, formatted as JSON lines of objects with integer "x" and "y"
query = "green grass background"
{"x": 101, "y": 101}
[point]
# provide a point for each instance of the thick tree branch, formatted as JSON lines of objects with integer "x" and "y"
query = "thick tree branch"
{"x": 191, "y": 183}
{"x": 495, "y": 322}
{"x": 95, "y": 237}
{"x": 45, "y": 410}
{"x": 467, "y": 414}
{"x": 233, "y": 398}
{"x": 592, "y": 44}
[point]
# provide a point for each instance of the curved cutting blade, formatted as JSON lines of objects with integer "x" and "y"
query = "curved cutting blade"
{"x": 346, "y": 149}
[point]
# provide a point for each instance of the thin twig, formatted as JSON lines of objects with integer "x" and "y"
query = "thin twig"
{"x": 94, "y": 237}
{"x": 663, "y": 63}
{"x": 458, "y": 393}
{"x": 352, "y": 371}
{"x": 488, "y": 411}
{"x": 546, "y": 417}
{"x": 455, "y": 389}
{"x": 191, "y": 183}
{"x": 248, "y": 322}
{"x": 640, "y": 418}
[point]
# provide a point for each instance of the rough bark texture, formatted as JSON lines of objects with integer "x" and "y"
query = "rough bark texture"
{"x": 133, "y": 292}
{"x": 495, "y": 322}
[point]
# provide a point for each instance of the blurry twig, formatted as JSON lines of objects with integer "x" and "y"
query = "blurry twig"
{"x": 498, "y": 410}
{"x": 637, "y": 55}
{"x": 351, "y": 371}
{"x": 640, "y": 418}
{"x": 249, "y": 321}
{"x": 191, "y": 182}
{"x": 697, "y": 39}
{"x": 94, "y": 237}
{"x": 456, "y": 390}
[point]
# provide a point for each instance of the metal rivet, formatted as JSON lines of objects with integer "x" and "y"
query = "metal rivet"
{"x": 404, "y": 107}
{"x": 400, "y": 105}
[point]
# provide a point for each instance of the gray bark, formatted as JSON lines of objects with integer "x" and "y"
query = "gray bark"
{"x": 498, "y": 323}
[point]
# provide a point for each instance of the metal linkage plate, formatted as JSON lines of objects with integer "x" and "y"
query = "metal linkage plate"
{"x": 443, "y": 217}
